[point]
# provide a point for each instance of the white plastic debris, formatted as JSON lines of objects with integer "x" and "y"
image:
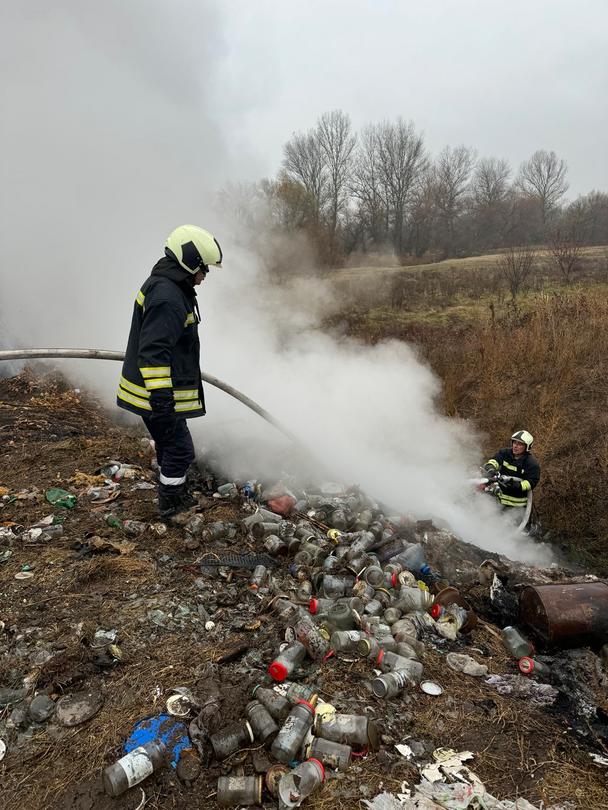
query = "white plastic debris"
{"x": 539, "y": 694}
{"x": 404, "y": 750}
{"x": 465, "y": 664}
{"x": 447, "y": 763}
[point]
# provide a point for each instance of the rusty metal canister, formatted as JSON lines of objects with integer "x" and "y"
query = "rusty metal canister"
{"x": 566, "y": 614}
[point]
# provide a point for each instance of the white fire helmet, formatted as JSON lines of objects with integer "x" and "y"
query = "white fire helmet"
{"x": 524, "y": 437}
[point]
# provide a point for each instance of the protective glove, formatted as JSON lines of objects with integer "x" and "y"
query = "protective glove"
{"x": 510, "y": 487}
{"x": 163, "y": 414}
{"x": 490, "y": 470}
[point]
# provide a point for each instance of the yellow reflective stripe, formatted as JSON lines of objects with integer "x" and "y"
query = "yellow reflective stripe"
{"x": 148, "y": 372}
{"x": 509, "y": 466}
{"x": 184, "y": 394}
{"x": 188, "y": 406}
{"x": 526, "y": 485}
{"x": 190, "y": 319}
{"x": 510, "y": 500}
{"x": 140, "y": 298}
{"x": 159, "y": 382}
{"x": 134, "y": 389}
{"x": 494, "y": 463}
{"x": 133, "y": 400}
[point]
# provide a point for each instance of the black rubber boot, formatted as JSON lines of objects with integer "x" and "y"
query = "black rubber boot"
{"x": 173, "y": 500}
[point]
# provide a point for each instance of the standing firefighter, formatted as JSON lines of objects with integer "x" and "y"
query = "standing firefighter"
{"x": 518, "y": 463}
{"x": 161, "y": 379}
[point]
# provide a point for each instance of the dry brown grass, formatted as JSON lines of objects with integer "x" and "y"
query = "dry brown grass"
{"x": 545, "y": 368}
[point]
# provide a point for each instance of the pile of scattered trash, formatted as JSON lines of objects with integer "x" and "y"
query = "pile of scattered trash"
{"x": 284, "y": 646}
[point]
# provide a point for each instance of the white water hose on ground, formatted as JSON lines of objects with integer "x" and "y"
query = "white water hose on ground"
{"x": 102, "y": 354}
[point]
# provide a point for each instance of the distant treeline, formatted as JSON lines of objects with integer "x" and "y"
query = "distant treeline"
{"x": 381, "y": 190}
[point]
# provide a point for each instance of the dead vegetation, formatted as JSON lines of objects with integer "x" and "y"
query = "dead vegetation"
{"x": 543, "y": 367}
{"x": 518, "y": 750}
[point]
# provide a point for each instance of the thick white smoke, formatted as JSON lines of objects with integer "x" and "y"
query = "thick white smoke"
{"x": 109, "y": 143}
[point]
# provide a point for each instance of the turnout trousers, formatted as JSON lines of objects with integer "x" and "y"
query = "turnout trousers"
{"x": 174, "y": 455}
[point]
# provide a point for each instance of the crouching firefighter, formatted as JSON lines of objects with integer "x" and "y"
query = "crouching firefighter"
{"x": 520, "y": 468}
{"x": 161, "y": 378}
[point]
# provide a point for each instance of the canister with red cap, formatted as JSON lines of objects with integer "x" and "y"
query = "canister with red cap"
{"x": 299, "y": 783}
{"x": 287, "y": 661}
{"x": 530, "y": 666}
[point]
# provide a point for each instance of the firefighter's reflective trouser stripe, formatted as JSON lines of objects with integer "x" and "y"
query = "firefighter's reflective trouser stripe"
{"x": 174, "y": 455}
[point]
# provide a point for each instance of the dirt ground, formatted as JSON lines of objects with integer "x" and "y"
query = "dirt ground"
{"x": 150, "y": 589}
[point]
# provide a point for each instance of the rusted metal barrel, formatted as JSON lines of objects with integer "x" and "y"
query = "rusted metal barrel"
{"x": 568, "y": 614}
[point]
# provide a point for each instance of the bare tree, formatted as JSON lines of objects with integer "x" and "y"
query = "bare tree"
{"x": 452, "y": 172}
{"x": 303, "y": 161}
{"x": 516, "y": 266}
{"x": 402, "y": 158}
{"x": 544, "y": 176}
{"x": 489, "y": 193}
{"x": 566, "y": 254}
{"x": 490, "y": 182}
{"x": 367, "y": 187}
{"x": 336, "y": 143}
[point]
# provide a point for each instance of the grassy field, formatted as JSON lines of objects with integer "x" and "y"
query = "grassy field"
{"x": 542, "y": 364}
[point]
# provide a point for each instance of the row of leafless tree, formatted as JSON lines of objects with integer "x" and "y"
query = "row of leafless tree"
{"x": 381, "y": 189}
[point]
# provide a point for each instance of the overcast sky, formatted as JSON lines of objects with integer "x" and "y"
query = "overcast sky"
{"x": 504, "y": 77}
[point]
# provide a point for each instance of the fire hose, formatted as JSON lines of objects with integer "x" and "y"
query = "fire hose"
{"x": 102, "y": 354}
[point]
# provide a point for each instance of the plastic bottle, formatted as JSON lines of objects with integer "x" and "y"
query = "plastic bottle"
{"x": 231, "y": 738}
{"x": 299, "y": 783}
{"x": 289, "y": 740}
{"x": 391, "y": 661}
{"x": 516, "y": 643}
{"x": 533, "y": 667}
{"x": 133, "y": 768}
{"x": 261, "y": 721}
{"x": 331, "y": 754}
{"x": 258, "y": 577}
{"x": 317, "y": 606}
{"x": 376, "y": 644}
{"x": 278, "y": 706}
{"x": 238, "y": 791}
{"x": 412, "y": 557}
{"x": 287, "y": 661}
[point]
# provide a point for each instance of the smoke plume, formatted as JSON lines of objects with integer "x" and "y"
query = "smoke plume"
{"x": 111, "y": 140}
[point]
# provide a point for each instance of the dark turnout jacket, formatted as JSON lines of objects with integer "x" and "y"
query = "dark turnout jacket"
{"x": 161, "y": 372}
{"x": 526, "y": 468}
